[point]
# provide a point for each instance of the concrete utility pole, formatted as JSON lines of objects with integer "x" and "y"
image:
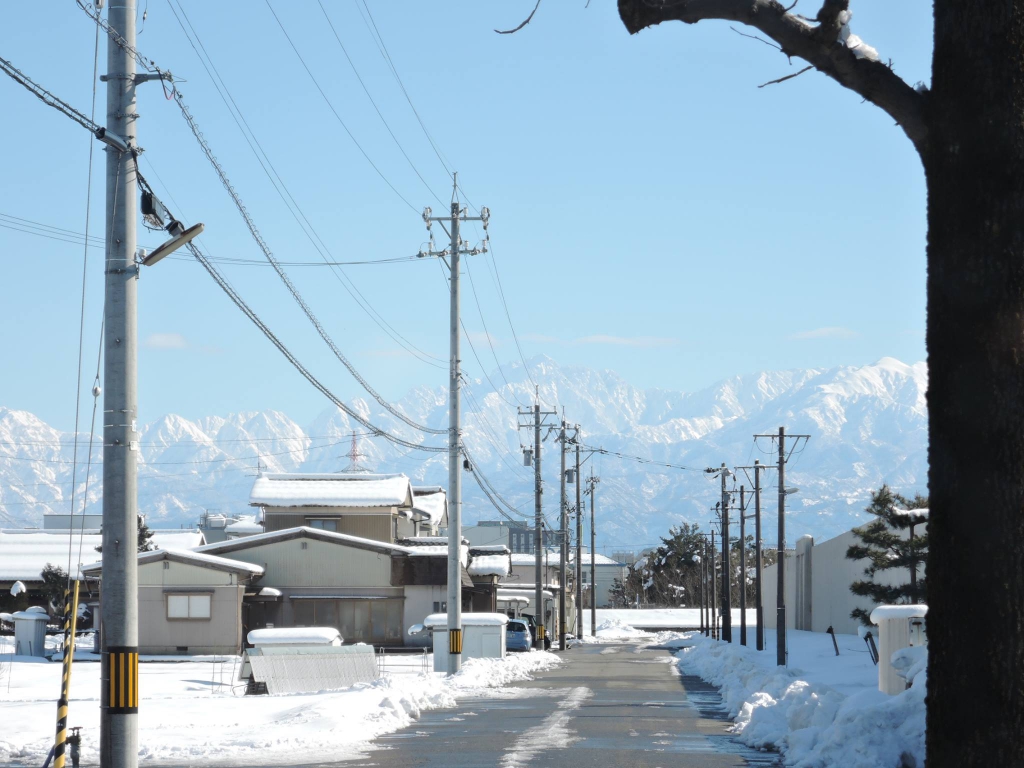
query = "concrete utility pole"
{"x": 743, "y": 566}
{"x": 538, "y": 534}
{"x": 579, "y": 541}
{"x": 593, "y": 569}
{"x": 119, "y": 690}
{"x": 703, "y": 577}
{"x": 758, "y": 468}
{"x": 726, "y": 561}
{"x": 563, "y": 527}
{"x": 714, "y": 589}
{"x": 780, "y": 596}
{"x": 455, "y": 252}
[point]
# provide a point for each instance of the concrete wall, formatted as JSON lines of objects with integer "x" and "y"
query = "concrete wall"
{"x": 818, "y": 578}
{"x": 221, "y": 633}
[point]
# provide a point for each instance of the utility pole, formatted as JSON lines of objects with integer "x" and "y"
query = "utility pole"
{"x": 119, "y": 726}
{"x": 593, "y": 548}
{"x": 714, "y": 582}
{"x": 579, "y": 542}
{"x": 455, "y": 251}
{"x": 743, "y": 566}
{"x": 780, "y": 595}
{"x": 538, "y": 534}
{"x": 563, "y": 527}
{"x": 726, "y": 561}
{"x": 758, "y": 468}
{"x": 703, "y": 583}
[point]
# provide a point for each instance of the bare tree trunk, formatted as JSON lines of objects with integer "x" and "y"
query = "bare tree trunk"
{"x": 975, "y": 171}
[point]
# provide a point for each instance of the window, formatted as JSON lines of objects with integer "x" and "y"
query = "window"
{"x": 188, "y": 606}
{"x": 324, "y": 525}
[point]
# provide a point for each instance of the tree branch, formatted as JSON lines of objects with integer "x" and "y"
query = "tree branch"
{"x": 817, "y": 44}
{"x": 787, "y": 77}
{"x": 527, "y": 21}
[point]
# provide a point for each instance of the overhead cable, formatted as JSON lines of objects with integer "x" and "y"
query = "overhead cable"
{"x": 240, "y": 303}
{"x": 250, "y": 224}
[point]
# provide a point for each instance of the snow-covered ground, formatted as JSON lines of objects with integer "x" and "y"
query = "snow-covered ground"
{"x": 823, "y": 710}
{"x": 660, "y": 618}
{"x": 195, "y": 712}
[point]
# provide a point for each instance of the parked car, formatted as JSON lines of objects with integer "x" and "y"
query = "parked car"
{"x": 532, "y": 622}
{"x": 518, "y": 636}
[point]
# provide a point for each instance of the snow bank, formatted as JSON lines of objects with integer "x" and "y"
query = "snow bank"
{"x": 295, "y": 636}
{"x": 611, "y": 630}
{"x": 192, "y": 712}
{"x": 810, "y": 722}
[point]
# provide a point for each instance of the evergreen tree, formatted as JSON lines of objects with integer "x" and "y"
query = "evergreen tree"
{"x": 55, "y": 581}
{"x": 884, "y": 546}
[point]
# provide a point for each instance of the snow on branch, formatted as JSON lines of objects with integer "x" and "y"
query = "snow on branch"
{"x": 825, "y": 42}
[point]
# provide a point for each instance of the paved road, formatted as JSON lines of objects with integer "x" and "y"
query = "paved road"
{"x": 607, "y": 705}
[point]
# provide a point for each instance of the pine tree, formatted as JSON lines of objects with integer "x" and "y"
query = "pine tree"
{"x": 55, "y": 581}
{"x": 885, "y": 548}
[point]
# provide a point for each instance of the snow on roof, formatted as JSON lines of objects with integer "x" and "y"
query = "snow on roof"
{"x": 245, "y": 526}
{"x": 431, "y": 503}
{"x": 598, "y": 558}
{"x": 440, "y": 620}
{"x": 524, "y": 558}
{"x": 261, "y": 539}
{"x": 488, "y": 549}
{"x": 188, "y": 556}
{"x": 30, "y": 616}
{"x": 295, "y": 636}
{"x": 25, "y": 552}
{"x": 883, "y": 612}
{"x": 490, "y": 565}
{"x": 525, "y": 590}
{"x": 338, "y": 490}
{"x": 270, "y": 592}
{"x": 917, "y": 514}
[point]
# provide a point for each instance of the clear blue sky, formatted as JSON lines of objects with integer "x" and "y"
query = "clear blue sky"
{"x": 653, "y": 211}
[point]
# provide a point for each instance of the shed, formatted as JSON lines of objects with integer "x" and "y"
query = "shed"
{"x": 483, "y": 636}
{"x": 30, "y": 632}
{"x": 899, "y": 626}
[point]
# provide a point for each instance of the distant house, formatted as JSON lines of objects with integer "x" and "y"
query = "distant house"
{"x": 606, "y": 571}
{"x": 189, "y": 602}
{"x": 380, "y": 507}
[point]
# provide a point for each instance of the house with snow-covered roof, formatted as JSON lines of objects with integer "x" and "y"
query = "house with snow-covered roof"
{"x": 606, "y": 571}
{"x": 189, "y": 602}
{"x": 383, "y": 507}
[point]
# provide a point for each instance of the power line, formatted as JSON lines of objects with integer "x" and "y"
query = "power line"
{"x": 284, "y": 193}
{"x": 335, "y": 112}
{"x": 374, "y": 103}
{"x": 639, "y": 459}
{"x": 240, "y": 303}
{"x": 250, "y": 224}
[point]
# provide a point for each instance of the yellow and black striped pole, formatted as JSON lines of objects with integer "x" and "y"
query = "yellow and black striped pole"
{"x": 455, "y": 641}
{"x": 70, "y": 622}
{"x": 121, "y": 680}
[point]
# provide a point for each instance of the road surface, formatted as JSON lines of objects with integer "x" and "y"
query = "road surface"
{"x": 606, "y": 705}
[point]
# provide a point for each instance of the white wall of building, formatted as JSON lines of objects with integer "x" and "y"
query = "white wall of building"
{"x": 818, "y": 578}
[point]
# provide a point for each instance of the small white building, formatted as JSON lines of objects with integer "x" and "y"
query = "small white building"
{"x": 606, "y": 571}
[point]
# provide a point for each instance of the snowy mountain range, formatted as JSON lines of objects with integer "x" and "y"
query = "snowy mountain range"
{"x": 868, "y": 425}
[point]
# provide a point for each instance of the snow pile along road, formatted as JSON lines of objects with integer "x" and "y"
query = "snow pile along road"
{"x": 186, "y": 715}
{"x": 849, "y": 723}
{"x": 611, "y": 630}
